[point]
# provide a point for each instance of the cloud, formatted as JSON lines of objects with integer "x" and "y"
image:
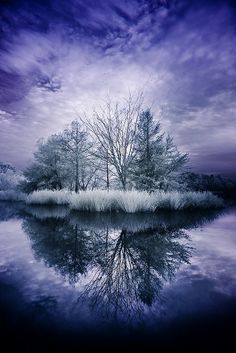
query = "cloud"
{"x": 70, "y": 57}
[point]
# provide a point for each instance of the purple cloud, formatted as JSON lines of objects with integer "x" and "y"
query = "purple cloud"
{"x": 58, "y": 58}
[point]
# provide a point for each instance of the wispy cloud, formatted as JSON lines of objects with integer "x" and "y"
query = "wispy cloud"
{"x": 67, "y": 57}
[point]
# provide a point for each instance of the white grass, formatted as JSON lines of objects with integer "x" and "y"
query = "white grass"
{"x": 49, "y": 197}
{"x": 175, "y": 200}
{"x": 126, "y": 201}
{"x": 12, "y": 195}
{"x": 115, "y": 200}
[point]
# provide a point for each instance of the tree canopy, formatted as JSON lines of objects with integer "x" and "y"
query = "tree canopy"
{"x": 122, "y": 146}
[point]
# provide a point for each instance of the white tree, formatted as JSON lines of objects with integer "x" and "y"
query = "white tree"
{"x": 157, "y": 161}
{"x": 169, "y": 163}
{"x": 64, "y": 160}
{"x": 148, "y": 144}
{"x": 78, "y": 156}
{"x": 122, "y": 142}
{"x": 9, "y": 177}
{"x": 47, "y": 169}
{"x": 114, "y": 127}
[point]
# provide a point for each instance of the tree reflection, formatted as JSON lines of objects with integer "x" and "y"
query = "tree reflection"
{"x": 61, "y": 245}
{"x": 126, "y": 259}
{"x": 130, "y": 267}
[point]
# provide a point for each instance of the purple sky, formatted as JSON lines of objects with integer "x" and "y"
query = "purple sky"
{"x": 60, "y": 57}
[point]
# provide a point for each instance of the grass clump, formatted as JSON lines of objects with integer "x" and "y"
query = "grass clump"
{"x": 125, "y": 201}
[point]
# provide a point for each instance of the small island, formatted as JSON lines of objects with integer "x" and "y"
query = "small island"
{"x": 117, "y": 160}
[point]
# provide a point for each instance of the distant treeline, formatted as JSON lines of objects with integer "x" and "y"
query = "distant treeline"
{"x": 214, "y": 183}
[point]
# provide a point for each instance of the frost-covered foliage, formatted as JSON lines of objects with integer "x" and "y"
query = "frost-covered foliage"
{"x": 126, "y": 201}
{"x": 6, "y": 167}
{"x": 48, "y": 170}
{"x": 42, "y": 197}
{"x": 120, "y": 148}
{"x": 9, "y": 177}
{"x": 64, "y": 160}
{"x": 157, "y": 161}
{"x": 12, "y": 195}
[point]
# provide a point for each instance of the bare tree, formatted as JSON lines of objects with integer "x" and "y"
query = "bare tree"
{"x": 114, "y": 127}
{"x": 78, "y": 150}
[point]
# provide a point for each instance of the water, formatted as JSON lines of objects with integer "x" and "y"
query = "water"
{"x": 73, "y": 279}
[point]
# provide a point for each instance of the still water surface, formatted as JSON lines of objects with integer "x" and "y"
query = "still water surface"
{"x": 140, "y": 277}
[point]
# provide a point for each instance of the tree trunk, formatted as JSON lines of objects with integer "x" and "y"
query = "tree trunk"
{"x": 107, "y": 173}
{"x": 76, "y": 175}
{"x": 77, "y": 162}
{"x": 123, "y": 182}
